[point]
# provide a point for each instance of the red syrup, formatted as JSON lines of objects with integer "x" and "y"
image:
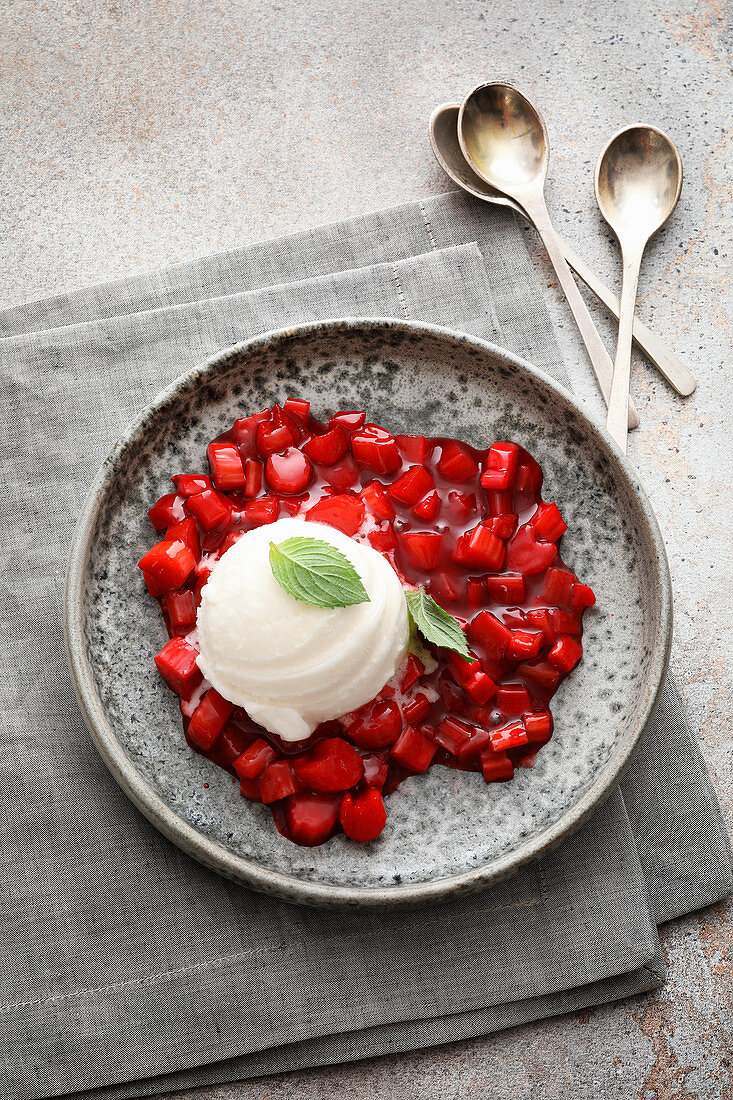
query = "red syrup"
{"x": 468, "y": 525}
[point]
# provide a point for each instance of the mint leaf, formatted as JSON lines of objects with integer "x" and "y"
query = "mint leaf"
{"x": 435, "y": 624}
{"x": 315, "y": 572}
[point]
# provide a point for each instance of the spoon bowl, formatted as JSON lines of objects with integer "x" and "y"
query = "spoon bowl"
{"x": 443, "y": 132}
{"x": 638, "y": 180}
{"x": 504, "y": 137}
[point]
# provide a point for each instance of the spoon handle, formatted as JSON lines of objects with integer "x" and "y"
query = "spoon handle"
{"x": 618, "y": 405}
{"x": 656, "y": 351}
{"x": 534, "y": 204}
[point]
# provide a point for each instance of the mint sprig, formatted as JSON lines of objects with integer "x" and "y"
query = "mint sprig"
{"x": 435, "y": 624}
{"x": 316, "y": 573}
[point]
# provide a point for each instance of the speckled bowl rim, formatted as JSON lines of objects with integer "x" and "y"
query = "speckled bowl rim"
{"x": 247, "y": 872}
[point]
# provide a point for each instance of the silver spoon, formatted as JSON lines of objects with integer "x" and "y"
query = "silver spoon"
{"x": 443, "y": 131}
{"x": 505, "y": 141}
{"x": 638, "y": 181}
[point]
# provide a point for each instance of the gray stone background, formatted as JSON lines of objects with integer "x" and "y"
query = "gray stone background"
{"x": 140, "y": 133}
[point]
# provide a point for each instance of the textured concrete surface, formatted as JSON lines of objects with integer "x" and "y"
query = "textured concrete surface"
{"x": 142, "y": 133}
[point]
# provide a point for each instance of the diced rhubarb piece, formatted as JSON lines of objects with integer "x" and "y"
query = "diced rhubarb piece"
{"x": 502, "y": 526}
{"x": 254, "y": 760}
{"x": 513, "y": 699}
{"x": 540, "y": 618}
{"x": 457, "y": 463}
{"x": 565, "y": 653}
{"x": 539, "y": 672}
{"x": 515, "y": 618}
{"x": 444, "y": 589}
{"x": 345, "y": 511}
{"x": 298, "y": 410}
{"x": 383, "y": 540}
{"x": 261, "y": 511}
{"x": 349, "y": 420}
{"x": 294, "y": 505}
{"x": 250, "y": 789}
{"x": 507, "y": 588}
{"x": 478, "y": 742}
{"x": 480, "y": 688}
{"x": 414, "y": 669}
{"x": 227, "y": 471}
{"x": 500, "y": 502}
{"x": 167, "y": 510}
{"x": 529, "y": 476}
{"x": 476, "y": 592}
{"x": 288, "y": 472}
{"x": 452, "y": 734}
{"x": 524, "y": 554}
{"x": 185, "y": 531}
{"x": 538, "y": 727}
{"x": 190, "y": 484}
{"x": 411, "y": 486}
{"x": 169, "y": 563}
{"x": 209, "y": 719}
{"x": 557, "y": 586}
{"x": 524, "y": 645}
{"x": 565, "y": 622}
{"x": 496, "y": 766}
{"x": 232, "y": 742}
{"x": 480, "y": 549}
{"x": 461, "y": 506}
{"x": 212, "y": 510}
{"x": 378, "y": 726}
{"x": 376, "y": 501}
{"x": 181, "y": 608}
{"x": 581, "y": 596}
{"x": 509, "y": 736}
{"x": 244, "y": 431}
{"x": 228, "y": 542}
{"x": 277, "y": 781}
{"x": 490, "y": 633}
{"x": 342, "y": 475}
{"x": 376, "y": 449}
{"x": 329, "y": 447}
{"x": 414, "y": 448}
{"x": 462, "y": 669}
{"x": 413, "y": 751}
{"x": 428, "y": 508}
{"x": 375, "y": 771}
{"x": 311, "y": 818}
{"x": 417, "y": 710}
{"x": 500, "y": 470}
{"x": 276, "y": 435}
{"x": 176, "y": 663}
{"x": 331, "y": 765}
{"x": 152, "y": 586}
{"x": 422, "y": 548}
{"x": 253, "y": 471}
{"x": 363, "y": 815}
{"x": 548, "y": 523}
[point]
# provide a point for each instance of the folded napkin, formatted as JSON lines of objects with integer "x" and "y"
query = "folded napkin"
{"x": 126, "y": 968}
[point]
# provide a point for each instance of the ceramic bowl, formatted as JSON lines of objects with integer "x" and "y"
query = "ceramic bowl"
{"x": 447, "y": 832}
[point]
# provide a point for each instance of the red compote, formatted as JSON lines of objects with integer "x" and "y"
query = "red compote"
{"x": 469, "y": 526}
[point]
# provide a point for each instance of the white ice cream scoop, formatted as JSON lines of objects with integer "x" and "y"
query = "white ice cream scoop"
{"x": 291, "y": 665}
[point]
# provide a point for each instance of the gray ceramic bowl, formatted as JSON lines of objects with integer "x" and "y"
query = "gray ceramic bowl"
{"x": 447, "y": 832}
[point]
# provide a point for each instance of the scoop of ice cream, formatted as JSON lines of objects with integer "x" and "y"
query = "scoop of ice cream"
{"x": 290, "y": 665}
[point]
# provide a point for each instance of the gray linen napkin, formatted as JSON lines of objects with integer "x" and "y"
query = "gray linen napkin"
{"x": 127, "y": 969}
